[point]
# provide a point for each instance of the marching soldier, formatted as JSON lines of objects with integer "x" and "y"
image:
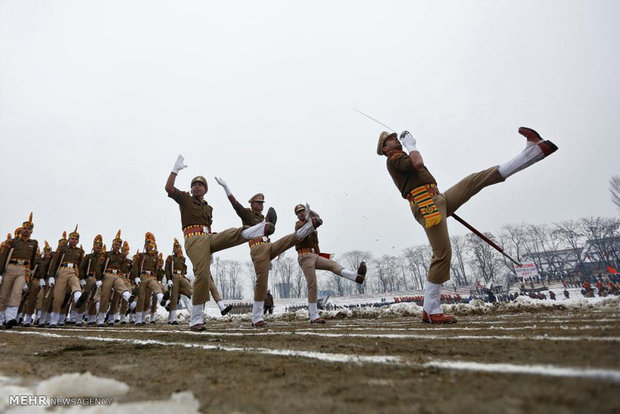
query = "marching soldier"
{"x": 178, "y": 283}
{"x": 431, "y": 208}
{"x": 262, "y": 251}
{"x": 144, "y": 272}
{"x": 92, "y": 294}
{"x": 200, "y": 242}
{"x": 17, "y": 259}
{"x": 310, "y": 259}
{"x": 125, "y": 276}
{"x": 37, "y": 283}
{"x": 108, "y": 275}
{"x": 63, "y": 275}
{"x": 160, "y": 276}
{"x": 46, "y": 296}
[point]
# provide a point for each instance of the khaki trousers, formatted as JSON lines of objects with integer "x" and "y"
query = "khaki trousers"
{"x": 148, "y": 285}
{"x": 199, "y": 249}
{"x": 111, "y": 282}
{"x": 46, "y": 299}
{"x": 118, "y": 298}
{"x": 261, "y": 256}
{"x": 31, "y": 298}
{"x": 12, "y": 286}
{"x": 180, "y": 286}
{"x": 447, "y": 203}
{"x": 66, "y": 281}
{"x": 309, "y": 263}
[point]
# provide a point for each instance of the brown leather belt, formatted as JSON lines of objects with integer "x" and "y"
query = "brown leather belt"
{"x": 195, "y": 230}
{"x": 258, "y": 241}
{"x": 305, "y": 250}
{"x": 19, "y": 262}
{"x": 431, "y": 188}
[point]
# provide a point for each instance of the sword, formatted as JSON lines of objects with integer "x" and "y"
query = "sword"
{"x": 370, "y": 117}
{"x": 7, "y": 260}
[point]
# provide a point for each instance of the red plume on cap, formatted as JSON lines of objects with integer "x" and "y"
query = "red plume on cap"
{"x": 125, "y": 247}
{"x": 28, "y": 223}
{"x": 98, "y": 240}
{"x": 118, "y": 237}
{"x": 47, "y": 247}
{"x": 149, "y": 239}
{"x": 17, "y": 231}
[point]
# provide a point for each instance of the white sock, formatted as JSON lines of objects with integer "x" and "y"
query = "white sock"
{"x": 432, "y": 298}
{"x": 61, "y": 319}
{"x": 257, "y": 230}
{"x": 304, "y": 230}
{"x": 172, "y": 316}
{"x": 10, "y": 313}
{"x": 349, "y": 274}
{"x": 197, "y": 315}
{"x": 72, "y": 315}
{"x": 257, "y": 311}
{"x": 220, "y": 304}
{"x": 126, "y": 295}
{"x": 313, "y": 311}
{"x": 100, "y": 318}
{"x": 28, "y": 319}
{"x": 54, "y": 318}
{"x": 76, "y": 296}
{"x": 530, "y": 155}
{"x": 160, "y": 296}
{"x": 80, "y": 318}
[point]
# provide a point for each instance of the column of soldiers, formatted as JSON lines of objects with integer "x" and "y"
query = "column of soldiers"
{"x": 98, "y": 288}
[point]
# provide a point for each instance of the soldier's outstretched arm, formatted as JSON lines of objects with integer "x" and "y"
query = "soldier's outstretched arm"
{"x": 236, "y": 205}
{"x": 409, "y": 142}
{"x": 179, "y": 164}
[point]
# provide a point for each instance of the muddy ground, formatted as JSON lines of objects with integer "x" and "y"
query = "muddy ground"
{"x": 351, "y": 365}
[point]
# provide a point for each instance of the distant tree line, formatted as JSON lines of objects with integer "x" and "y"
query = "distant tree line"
{"x": 558, "y": 250}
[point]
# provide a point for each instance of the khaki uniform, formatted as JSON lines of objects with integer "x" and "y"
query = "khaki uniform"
{"x": 176, "y": 270}
{"x": 65, "y": 264}
{"x": 87, "y": 272}
{"x": 109, "y": 270}
{"x": 406, "y": 178}
{"x": 310, "y": 261}
{"x": 200, "y": 244}
{"x": 262, "y": 251}
{"x": 16, "y": 269}
{"x": 145, "y": 267}
{"x": 42, "y": 264}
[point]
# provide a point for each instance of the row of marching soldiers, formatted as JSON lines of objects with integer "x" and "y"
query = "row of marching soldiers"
{"x": 67, "y": 286}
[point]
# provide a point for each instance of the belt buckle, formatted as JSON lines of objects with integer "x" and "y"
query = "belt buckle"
{"x": 114, "y": 271}
{"x": 148, "y": 272}
{"x": 70, "y": 265}
{"x": 21, "y": 262}
{"x": 178, "y": 272}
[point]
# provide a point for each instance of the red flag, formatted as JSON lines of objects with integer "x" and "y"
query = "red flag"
{"x": 612, "y": 270}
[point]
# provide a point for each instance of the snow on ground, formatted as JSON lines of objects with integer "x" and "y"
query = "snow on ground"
{"x": 390, "y": 309}
{"x": 97, "y": 392}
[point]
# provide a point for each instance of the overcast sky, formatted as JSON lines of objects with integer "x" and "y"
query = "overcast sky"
{"x": 97, "y": 98}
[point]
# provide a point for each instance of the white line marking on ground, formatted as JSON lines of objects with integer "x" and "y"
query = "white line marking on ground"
{"x": 542, "y": 370}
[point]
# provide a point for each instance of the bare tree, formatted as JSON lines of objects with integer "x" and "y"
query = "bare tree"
{"x": 417, "y": 260}
{"x": 457, "y": 265}
{"x": 614, "y": 189}
{"x": 484, "y": 259}
{"x": 352, "y": 261}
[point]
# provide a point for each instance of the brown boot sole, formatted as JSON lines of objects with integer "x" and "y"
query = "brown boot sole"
{"x": 547, "y": 147}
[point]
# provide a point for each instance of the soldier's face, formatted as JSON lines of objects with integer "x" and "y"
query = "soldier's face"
{"x": 47, "y": 254}
{"x": 177, "y": 250}
{"x": 25, "y": 232}
{"x": 301, "y": 215}
{"x": 257, "y": 205}
{"x": 116, "y": 246}
{"x": 73, "y": 241}
{"x": 97, "y": 248}
{"x": 391, "y": 143}
{"x": 198, "y": 189}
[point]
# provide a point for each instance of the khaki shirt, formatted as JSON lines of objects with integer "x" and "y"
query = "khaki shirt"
{"x": 109, "y": 261}
{"x": 179, "y": 264}
{"x": 248, "y": 217}
{"x": 406, "y": 177}
{"x": 144, "y": 262}
{"x": 194, "y": 211}
{"x": 311, "y": 241}
{"x": 89, "y": 265}
{"x": 42, "y": 263}
{"x": 67, "y": 254}
{"x": 22, "y": 250}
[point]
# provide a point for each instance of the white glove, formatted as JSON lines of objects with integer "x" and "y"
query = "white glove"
{"x": 41, "y": 283}
{"x": 179, "y": 164}
{"x": 0, "y": 280}
{"x": 137, "y": 280}
{"x": 82, "y": 282}
{"x": 223, "y": 184}
{"x": 170, "y": 283}
{"x": 408, "y": 141}
{"x": 51, "y": 281}
{"x": 98, "y": 283}
{"x": 25, "y": 287}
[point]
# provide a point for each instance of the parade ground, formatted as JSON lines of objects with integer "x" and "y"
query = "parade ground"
{"x": 514, "y": 359}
